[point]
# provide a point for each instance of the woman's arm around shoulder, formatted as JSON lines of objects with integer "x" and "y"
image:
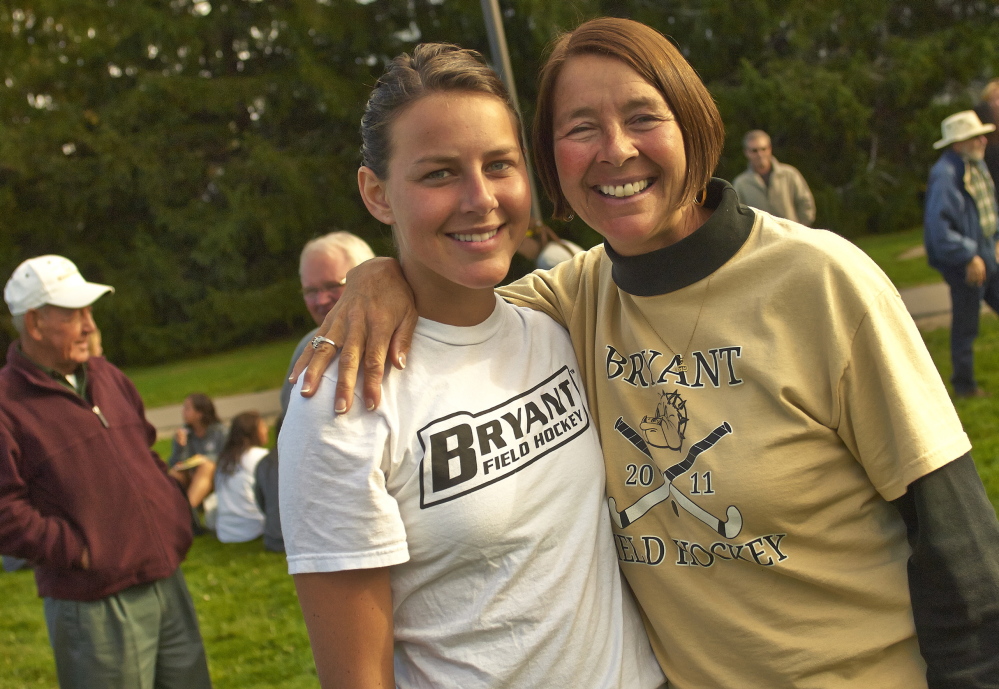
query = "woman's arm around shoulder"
{"x": 349, "y": 618}
{"x": 554, "y": 291}
{"x": 374, "y": 320}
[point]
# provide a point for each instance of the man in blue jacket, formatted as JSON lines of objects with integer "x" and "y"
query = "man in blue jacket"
{"x": 960, "y": 223}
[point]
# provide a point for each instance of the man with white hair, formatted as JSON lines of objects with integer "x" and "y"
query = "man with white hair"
{"x": 323, "y": 270}
{"x": 959, "y": 227}
{"x": 86, "y": 501}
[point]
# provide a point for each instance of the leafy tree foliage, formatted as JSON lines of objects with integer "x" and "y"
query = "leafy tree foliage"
{"x": 184, "y": 150}
{"x": 853, "y": 93}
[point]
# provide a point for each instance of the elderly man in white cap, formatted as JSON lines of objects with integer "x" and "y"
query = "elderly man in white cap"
{"x": 960, "y": 222}
{"x": 86, "y": 501}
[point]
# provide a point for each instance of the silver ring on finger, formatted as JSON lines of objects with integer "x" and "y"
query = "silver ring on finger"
{"x": 319, "y": 339}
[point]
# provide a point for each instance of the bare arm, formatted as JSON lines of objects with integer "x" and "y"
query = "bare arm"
{"x": 349, "y": 618}
{"x": 377, "y": 316}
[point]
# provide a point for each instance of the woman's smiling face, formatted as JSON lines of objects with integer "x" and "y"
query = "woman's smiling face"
{"x": 456, "y": 194}
{"x": 619, "y": 153}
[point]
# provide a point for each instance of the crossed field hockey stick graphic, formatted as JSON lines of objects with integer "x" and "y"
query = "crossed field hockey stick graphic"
{"x": 729, "y": 528}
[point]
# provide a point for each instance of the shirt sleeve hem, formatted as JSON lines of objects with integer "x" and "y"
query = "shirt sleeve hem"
{"x": 337, "y": 562}
{"x": 929, "y": 462}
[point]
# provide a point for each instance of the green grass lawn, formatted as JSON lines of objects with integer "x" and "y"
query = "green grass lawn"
{"x": 886, "y": 250}
{"x": 979, "y": 416}
{"x": 250, "y": 621}
{"x": 248, "y": 369}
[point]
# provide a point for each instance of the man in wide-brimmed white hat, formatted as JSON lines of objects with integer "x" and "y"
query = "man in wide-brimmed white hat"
{"x": 85, "y": 500}
{"x": 960, "y": 222}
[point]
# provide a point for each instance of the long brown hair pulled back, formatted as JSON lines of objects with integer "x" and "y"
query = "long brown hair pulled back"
{"x": 657, "y": 61}
{"x": 242, "y": 436}
{"x": 432, "y": 68}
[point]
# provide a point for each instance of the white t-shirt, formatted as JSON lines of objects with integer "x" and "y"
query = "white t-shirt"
{"x": 239, "y": 518}
{"x": 479, "y": 480}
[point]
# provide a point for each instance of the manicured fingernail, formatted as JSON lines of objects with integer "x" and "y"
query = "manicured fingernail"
{"x": 370, "y": 404}
{"x": 306, "y": 387}
{"x": 341, "y": 406}
{"x": 402, "y": 361}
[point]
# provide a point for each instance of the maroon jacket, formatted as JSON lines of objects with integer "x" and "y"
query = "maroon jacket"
{"x": 72, "y": 477}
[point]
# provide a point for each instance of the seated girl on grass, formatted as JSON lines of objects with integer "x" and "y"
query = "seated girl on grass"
{"x": 238, "y": 518}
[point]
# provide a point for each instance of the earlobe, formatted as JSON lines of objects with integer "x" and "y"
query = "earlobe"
{"x": 373, "y": 194}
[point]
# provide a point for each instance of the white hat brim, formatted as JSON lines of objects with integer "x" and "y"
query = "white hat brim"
{"x": 985, "y": 129}
{"x": 79, "y": 295}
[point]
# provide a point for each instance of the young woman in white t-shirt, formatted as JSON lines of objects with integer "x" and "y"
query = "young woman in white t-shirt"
{"x": 458, "y": 537}
{"x": 239, "y": 519}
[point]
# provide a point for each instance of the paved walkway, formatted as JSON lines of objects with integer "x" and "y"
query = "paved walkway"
{"x": 928, "y": 304}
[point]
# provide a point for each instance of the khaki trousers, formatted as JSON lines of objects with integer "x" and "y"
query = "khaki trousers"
{"x": 145, "y": 637}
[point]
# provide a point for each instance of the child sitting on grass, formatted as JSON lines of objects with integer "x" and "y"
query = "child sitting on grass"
{"x": 238, "y": 518}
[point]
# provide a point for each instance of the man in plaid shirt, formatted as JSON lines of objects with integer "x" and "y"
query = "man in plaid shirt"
{"x": 960, "y": 222}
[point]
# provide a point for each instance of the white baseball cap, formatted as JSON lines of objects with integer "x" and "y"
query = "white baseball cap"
{"x": 50, "y": 280}
{"x": 962, "y": 126}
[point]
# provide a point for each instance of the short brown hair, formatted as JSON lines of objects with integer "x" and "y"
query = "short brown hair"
{"x": 754, "y": 134}
{"x": 432, "y": 68}
{"x": 657, "y": 61}
{"x": 202, "y": 403}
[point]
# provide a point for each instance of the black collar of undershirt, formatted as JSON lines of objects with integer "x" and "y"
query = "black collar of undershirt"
{"x": 694, "y": 257}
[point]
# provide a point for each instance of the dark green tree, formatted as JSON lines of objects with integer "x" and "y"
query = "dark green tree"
{"x": 184, "y": 150}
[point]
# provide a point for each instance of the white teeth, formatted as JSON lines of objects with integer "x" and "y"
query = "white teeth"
{"x": 629, "y": 189}
{"x": 475, "y": 237}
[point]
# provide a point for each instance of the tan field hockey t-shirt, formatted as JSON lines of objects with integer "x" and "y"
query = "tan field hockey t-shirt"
{"x": 749, "y": 492}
